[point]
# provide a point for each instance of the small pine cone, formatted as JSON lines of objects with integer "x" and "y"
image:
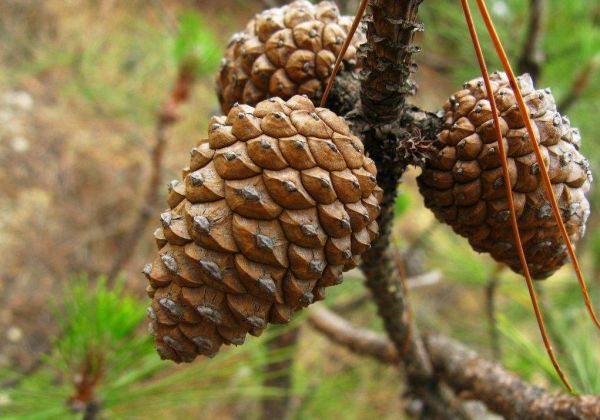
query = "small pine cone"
{"x": 464, "y": 186}
{"x": 275, "y": 205}
{"x": 285, "y": 51}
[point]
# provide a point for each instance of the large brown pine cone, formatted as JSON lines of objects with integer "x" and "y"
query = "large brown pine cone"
{"x": 463, "y": 183}
{"x": 285, "y": 51}
{"x": 275, "y": 205}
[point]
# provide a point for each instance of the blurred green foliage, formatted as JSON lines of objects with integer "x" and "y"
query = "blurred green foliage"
{"x": 133, "y": 382}
{"x": 196, "y": 46}
{"x": 570, "y": 330}
{"x": 402, "y": 204}
{"x": 102, "y": 336}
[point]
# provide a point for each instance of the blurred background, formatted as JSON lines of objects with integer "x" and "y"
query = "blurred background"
{"x": 85, "y": 90}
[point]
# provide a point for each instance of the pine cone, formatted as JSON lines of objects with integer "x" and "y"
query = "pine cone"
{"x": 285, "y": 51}
{"x": 275, "y": 205}
{"x": 463, "y": 183}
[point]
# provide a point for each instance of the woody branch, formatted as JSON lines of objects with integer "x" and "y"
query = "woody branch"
{"x": 389, "y": 128}
{"x": 383, "y": 89}
{"x": 464, "y": 371}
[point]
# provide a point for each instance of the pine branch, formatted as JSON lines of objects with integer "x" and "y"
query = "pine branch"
{"x": 502, "y": 391}
{"x": 393, "y": 134}
{"x": 465, "y": 372}
{"x": 388, "y": 127}
{"x": 360, "y": 341}
{"x": 387, "y": 58}
{"x": 384, "y": 87}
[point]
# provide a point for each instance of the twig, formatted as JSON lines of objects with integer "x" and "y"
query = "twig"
{"x": 491, "y": 288}
{"x": 389, "y": 32}
{"x": 387, "y": 66}
{"x": 502, "y": 391}
{"x": 580, "y": 84}
{"x": 388, "y": 60}
{"x": 166, "y": 117}
{"x": 532, "y": 56}
{"x": 465, "y": 372}
{"x": 360, "y": 341}
{"x": 84, "y": 399}
{"x": 279, "y": 375}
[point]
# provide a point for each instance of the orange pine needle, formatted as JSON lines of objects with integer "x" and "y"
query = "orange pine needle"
{"x": 509, "y": 196}
{"x": 338, "y": 62}
{"x": 548, "y": 184}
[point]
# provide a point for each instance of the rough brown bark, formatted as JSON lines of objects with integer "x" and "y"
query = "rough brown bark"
{"x": 388, "y": 128}
{"x": 383, "y": 89}
{"x": 465, "y": 372}
{"x": 390, "y": 134}
{"x": 388, "y": 58}
{"x": 503, "y": 392}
